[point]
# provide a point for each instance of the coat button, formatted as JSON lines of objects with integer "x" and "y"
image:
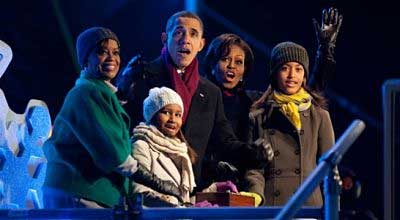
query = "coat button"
{"x": 297, "y": 171}
{"x": 271, "y": 132}
{"x": 278, "y": 172}
{"x": 277, "y": 193}
{"x": 276, "y": 153}
{"x": 297, "y": 151}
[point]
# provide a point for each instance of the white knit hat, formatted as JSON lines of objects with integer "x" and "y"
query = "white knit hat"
{"x": 157, "y": 99}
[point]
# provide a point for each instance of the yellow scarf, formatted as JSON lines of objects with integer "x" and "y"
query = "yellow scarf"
{"x": 291, "y": 105}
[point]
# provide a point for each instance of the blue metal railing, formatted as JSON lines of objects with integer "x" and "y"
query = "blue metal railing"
{"x": 157, "y": 213}
{"x": 327, "y": 162}
{"x": 292, "y": 209}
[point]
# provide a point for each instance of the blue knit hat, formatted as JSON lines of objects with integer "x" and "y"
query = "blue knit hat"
{"x": 89, "y": 38}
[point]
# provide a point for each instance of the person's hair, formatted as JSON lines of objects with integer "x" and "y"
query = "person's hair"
{"x": 182, "y": 14}
{"x": 192, "y": 154}
{"x": 221, "y": 46}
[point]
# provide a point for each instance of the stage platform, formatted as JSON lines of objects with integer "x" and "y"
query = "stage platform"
{"x": 158, "y": 213}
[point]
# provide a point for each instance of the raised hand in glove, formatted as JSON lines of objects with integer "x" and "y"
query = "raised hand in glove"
{"x": 125, "y": 80}
{"x": 328, "y": 31}
{"x": 145, "y": 177}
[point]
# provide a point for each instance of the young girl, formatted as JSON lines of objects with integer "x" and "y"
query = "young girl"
{"x": 292, "y": 118}
{"x": 159, "y": 146}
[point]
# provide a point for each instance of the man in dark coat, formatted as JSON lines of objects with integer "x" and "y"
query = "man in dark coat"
{"x": 177, "y": 68}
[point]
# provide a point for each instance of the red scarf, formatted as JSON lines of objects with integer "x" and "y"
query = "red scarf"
{"x": 185, "y": 86}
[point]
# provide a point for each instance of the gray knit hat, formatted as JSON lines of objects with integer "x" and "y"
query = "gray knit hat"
{"x": 157, "y": 99}
{"x": 89, "y": 38}
{"x": 288, "y": 52}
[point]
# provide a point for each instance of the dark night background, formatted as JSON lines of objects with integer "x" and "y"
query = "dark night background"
{"x": 42, "y": 35}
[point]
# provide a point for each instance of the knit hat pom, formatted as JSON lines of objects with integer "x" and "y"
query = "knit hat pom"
{"x": 158, "y": 98}
{"x": 88, "y": 39}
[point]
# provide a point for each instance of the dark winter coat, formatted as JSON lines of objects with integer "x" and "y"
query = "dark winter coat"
{"x": 237, "y": 103}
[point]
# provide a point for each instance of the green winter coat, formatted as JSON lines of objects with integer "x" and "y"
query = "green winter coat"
{"x": 90, "y": 140}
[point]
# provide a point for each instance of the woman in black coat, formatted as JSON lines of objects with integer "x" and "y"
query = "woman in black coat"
{"x": 228, "y": 61}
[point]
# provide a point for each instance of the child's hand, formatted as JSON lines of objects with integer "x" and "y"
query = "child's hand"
{"x": 221, "y": 187}
{"x": 226, "y": 186}
{"x": 204, "y": 204}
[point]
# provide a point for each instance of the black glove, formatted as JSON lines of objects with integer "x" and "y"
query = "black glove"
{"x": 145, "y": 177}
{"x": 126, "y": 79}
{"x": 226, "y": 171}
{"x": 265, "y": 147}
{"x": 328, "y": 32}
{"x": 260, "y": 154}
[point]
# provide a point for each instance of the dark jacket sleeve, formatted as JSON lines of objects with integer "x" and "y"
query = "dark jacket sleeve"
{"x": 132, "y": 90}
{"x": 255, "y": 121}
{"x": 323, "y": 71}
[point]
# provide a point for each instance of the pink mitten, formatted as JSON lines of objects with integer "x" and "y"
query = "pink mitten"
{"x": 226, "y": 186}
{"x": 204, "y": 204}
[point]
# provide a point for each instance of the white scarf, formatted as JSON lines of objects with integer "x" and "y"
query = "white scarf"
{"x": 174, "y": 146}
